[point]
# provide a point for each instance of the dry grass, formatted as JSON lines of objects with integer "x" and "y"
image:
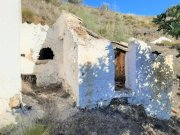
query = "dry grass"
{"x": 111, "y": 25}
{"x": 42, "y": 9}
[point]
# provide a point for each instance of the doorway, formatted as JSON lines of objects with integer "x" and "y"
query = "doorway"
{"x": 119, "y": 69}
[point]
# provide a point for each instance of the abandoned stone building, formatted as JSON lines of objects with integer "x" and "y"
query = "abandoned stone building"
{"x": 95, "y": 70}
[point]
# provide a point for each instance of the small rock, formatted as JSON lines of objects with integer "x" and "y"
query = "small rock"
{"x": 124, "y": 109}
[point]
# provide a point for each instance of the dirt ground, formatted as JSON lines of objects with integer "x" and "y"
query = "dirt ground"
{"x": 119, "y": 118}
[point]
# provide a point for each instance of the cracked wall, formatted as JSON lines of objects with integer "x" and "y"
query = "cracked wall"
{"x": 84, "y": 63}
{"x": 34, "y": 38}
{"x": 150, "y": 76}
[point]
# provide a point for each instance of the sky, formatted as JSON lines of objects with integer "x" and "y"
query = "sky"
{"x": 139, "y": 7}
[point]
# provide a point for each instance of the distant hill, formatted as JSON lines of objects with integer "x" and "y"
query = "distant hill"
{"x": 111, "y": 25}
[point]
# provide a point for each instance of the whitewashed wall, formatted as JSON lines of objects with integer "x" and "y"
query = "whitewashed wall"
{"x": 96, "y": 73}
{"x": 68, "y": 54}
{"x": 150, "y": 77}
{"x": 86, "y": 65}
{"x": 33, "y": 39}
{"x": 10, "y": 81}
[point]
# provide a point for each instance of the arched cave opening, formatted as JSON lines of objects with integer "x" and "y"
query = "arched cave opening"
{"x": 46, "y": 54}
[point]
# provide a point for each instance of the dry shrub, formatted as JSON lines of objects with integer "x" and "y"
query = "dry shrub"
{"x": 27, "y": 15}
{"x": 75, "y": 1}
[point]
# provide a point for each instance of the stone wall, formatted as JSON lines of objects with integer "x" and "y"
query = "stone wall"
{"x": 149, "y": 75}
{"x": 33, "y": 39}
{"x": 86, "y": 63}
{"x": 68, "y": 54}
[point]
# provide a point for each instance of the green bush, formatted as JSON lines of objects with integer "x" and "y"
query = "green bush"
{"x": 169, "y": 21}
{"x": 36, "y": 130}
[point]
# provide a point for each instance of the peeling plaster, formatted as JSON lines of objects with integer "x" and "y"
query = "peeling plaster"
{"x": 84, "y": 65}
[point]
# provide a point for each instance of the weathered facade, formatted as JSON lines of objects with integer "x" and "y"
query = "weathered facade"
{"x": 150, "y": 76}
{"x": 95, "y": 70}
{"x": 39, "y": 54}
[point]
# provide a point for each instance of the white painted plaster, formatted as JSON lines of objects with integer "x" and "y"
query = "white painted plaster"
{"x": 68, "y": 56}
{"x": 33, "y": 39}
{"x": 85, "y": 66}
{"x": 150, "y": 77}
{"x": 84, "y": 62}
{"x": 10, "y": 82}
{"x": 96, "y": 72}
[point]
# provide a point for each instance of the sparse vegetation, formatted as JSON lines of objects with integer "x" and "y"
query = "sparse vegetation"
{"x": 27, "y": 15}
{"x": 55, "y": 2}
{"x": 111, "y": 25}
{"x": 36, "y": 129}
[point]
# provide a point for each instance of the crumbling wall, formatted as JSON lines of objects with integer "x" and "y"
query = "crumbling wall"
{"x": 96, "y": 73}
{"x": 149, "y": 75}
{"x": 33, "y": 39}
{"x": 10, "y": 82}
{"x": 68, "y": 54}
{"x": 86, "y": 65}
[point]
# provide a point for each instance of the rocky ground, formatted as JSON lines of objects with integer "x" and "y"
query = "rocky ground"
{"x": 56, "y": 108}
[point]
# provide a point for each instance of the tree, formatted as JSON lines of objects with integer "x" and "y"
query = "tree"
{"x": 169, "y": 21}
{"x": 75, "y": 1}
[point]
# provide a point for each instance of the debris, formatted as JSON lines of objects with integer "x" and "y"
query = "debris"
{"x": 125, "y": 109}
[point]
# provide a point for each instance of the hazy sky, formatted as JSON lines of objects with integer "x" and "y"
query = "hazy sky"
{"x": 140, "y": 7}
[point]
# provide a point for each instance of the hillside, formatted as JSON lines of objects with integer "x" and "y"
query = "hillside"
{"x": 111, "y": 25}
{"x": 75, "y": 83}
